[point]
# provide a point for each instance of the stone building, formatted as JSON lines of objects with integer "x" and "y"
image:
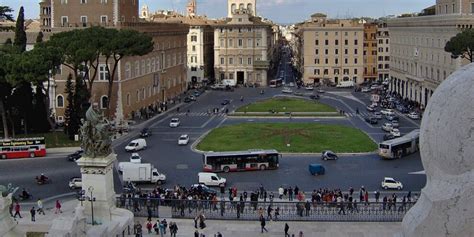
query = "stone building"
{"x": 370, "y": 52}
{"x": 242, "y": 45}
{"x": 383, "y": 51}
{"x": 418, "y": 62}
{"x": 142, "y": 82}
{"x": 331, "y": 50}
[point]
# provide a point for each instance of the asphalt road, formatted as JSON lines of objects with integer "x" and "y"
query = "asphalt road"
{"x": 181, "y": 164}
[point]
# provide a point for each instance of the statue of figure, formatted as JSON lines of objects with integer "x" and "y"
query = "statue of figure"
{"x": 4, "y": 191}
{"x": 95, "y": 135}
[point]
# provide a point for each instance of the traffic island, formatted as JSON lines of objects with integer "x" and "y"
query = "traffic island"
{"x": 285, "y": 107}
{"x": 288, "y": 138}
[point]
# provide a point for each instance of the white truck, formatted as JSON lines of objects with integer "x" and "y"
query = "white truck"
{"x": 345, "y": 84}
{"x": 143, "y": 172}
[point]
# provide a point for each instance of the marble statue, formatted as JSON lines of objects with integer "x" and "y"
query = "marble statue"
{"x": 445, "y": 207}
{"x": 95, "y": 134}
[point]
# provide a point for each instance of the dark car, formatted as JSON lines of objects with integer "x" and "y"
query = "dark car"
{"x": 146, "y": 132}
{"x": 75, "y": 156}
{"x": 197, "y": 93}
{"x": 328, "y": 155}
{"x": 314, "y": 97}
{"x": 371, "y": 120}
{"x": 197, "y": 189}
{"x": 388, "y": 136}
{"x": 225, "y": 102}
{"x": 187, "y": 100}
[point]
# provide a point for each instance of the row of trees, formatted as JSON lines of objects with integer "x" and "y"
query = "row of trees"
{"x": 24, "y": 75}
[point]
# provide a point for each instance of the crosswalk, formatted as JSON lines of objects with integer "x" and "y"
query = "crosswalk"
{"x": 200, "y": 114}
{"x": 363, "y": 114}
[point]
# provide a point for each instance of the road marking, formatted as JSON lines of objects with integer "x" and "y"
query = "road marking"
{"x": 250, "y": 120}
{"x": 316, "y": 120}
{"x": 418, "y": 172}
{"x": 208, "y": 121}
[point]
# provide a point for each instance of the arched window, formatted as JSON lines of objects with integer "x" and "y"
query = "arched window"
{"x": 128, "y": 99}
{"x": 60, "y": 101}
{"x": 128, "y": 71}
{"x": 250, "y": 7}
{"x": 241, "y": 6}
{"x": 104, "y": 102}
{"x": 233, "y": 7}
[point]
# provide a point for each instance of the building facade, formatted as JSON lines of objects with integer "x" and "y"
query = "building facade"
{"x": 418, "y": 62}
{"x": 142, "y": 83}
{"x": 370, "y": 52}
{"x": 383, "y": 51}
{"x": 331, "y": 51}
{"x": 242, "y": 44}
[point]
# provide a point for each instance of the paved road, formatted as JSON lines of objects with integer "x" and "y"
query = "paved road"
{"x": 181, "y": 164}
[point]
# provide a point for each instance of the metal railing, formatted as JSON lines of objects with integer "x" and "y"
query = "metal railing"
{"x": 287, "y": 211}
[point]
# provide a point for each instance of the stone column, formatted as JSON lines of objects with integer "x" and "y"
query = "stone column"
{"x": 97, "y": 175}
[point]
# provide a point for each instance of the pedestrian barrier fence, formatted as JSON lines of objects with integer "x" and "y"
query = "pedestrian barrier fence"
{"x": 285, "y": 211}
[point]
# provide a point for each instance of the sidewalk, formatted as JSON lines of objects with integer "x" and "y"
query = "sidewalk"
{"x": 232, "y": 228}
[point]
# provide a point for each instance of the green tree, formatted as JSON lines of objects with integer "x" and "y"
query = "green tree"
{"x": 5, "y": 13}
{"x": 39, "y": 38}
{"x": 123, "y": 43}
{"x": 70, "y": 115}
{"x": 5, "y": 89}
{"x": 20, "y": 34}
{"x": 461, "y": 45}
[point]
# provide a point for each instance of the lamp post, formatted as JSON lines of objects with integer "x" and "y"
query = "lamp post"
{"x": 82, "y": 196}
{"x": 91, "y": 199}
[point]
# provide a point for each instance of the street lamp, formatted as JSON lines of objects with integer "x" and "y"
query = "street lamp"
{"x": 91, "y": 199}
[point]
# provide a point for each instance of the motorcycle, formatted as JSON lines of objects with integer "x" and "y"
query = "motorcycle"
{"x": 44, "y": 180}
{"x": 25, "y": 196}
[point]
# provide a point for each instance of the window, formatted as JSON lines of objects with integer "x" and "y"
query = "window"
{"x": 316, "y": 42}
{"x": 326, "y": 42}
{"x": 258, "y": 42}
{"x": 63, "y": 1}
{"x": 84, "y": 20}
{"x": 64, "y": 21}
{"x": 103, "y": 19}
{"x": 231, "y": 61}
{"x": 326, "y": 51}
{"x": 336, "y": 61}
{"x": 231, "y": 43}
{"x": 222, "y": 61}
{"x": 346, "y": 42}
{"x": 355, "y": 51}
{"x": 148, "y": 66}
{"x": 355, "y": 60}
{"x": 241, "y": 61}
{"x": 316, "y": 51}
{"x": 316, "y": 72}
{"x": 326, "y": 71}
{"x": 143, "y": 92}
{"x": 104, "y": 102}
{"x": 241, "y": 43}
{"x": 316, "y": 61}
{"x": 60, "y": 101}
{"x": 193, "y": 38}
{"x": 355, "y": 42}
{"x": 336, "y": 51}
{"x": 336, "y": 71}
{"x": 194, "y": 48}
{"x": 83, "y": 1}
{"x": 103, "y": 74}
{"x": 137, "y": 69}
{"x": 249, "y": 61}
{"x": 355, "y": 70}
{"x": 222, "y": 43}
{"x": 346, "y": 51}
{"x": 337, "y": 41}
{"x": 249, "y": 43}
{"x": 103, "y": 1}
{"x": 326, "y": 60}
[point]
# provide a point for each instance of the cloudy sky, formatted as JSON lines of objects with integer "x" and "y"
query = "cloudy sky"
{"x": 281, "y": 11}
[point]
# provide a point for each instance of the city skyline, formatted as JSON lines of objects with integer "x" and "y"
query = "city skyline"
{"x": 295, "y": 10}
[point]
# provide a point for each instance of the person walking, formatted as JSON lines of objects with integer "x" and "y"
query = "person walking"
{"x": 17, "y": 210}
{"x": 138, "y": 229}
{"x": 301, "y": 234}
{"x": 196, "y": 233}
{"x": 58, "y": 207}
{"x": 165, "y": 225}
{"x": 39, "y": 205}
{"x": 156, "y": 227}
{"x": 269, "y": 212}
{"x": 149, "y": 227}
{"x": 287, "y": 228}
{"x": 173, "y": 229}
{"x": 263, "y": 223}
{"x": 33, "y": 213}
{"x": 280, "y": 192}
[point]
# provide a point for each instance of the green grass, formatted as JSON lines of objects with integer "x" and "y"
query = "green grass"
{"x": 303, "y": 138}
{"x": 284, "y": 115}
{"x": 54, "y": 139}
{"x": 286, "y": 104}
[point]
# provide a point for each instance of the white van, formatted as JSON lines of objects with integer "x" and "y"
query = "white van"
{"x": 136, "y": 145}
{"x": 211, "y": 179}
{"x": 345, "y": 84}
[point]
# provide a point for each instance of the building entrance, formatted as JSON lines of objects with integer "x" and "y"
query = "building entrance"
{"x": 240, "y": 78}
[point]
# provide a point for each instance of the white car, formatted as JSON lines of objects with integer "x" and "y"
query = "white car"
{"x": 387, "y": 111}
{"x": 287, "y": 90}
{"x": 395, "y": 132}
{"x": 135, "y": 158}
{"x": 413, "y": 115}
{"x": 75, "y": 182}
{"x": 183, "y": 139}
{"x": 292, "y": 84}
{"x": 387, "y": 127}
{"x": 391, "y": 183}
{"x": 174, "y": 123}
{"x": 366, "y": 89}
{"x": 309, "y": 88}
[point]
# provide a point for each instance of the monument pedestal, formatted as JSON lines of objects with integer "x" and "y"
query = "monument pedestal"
{"x": 98, "y": 185}
{"x": 7, "y": 223}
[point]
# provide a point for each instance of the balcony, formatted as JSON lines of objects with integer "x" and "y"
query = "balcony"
{"x": 261, "y": 64}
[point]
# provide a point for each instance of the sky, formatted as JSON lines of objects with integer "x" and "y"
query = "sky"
{"x": 280, "y": 11}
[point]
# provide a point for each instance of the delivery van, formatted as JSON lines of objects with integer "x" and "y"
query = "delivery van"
{"x": 136, "y": 145}
{"x": 211, "y": 179}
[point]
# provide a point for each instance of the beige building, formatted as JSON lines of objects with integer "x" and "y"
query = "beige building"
{"x": 331, "y": 51}
{"x": 142, "y": 82}
{"x": 383, "y": 51}
{"x": 418, "y": 62}
{"x": 242, "y": 45}
{"x": 370, "y": 52}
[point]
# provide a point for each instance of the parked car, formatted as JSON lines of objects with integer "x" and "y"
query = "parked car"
{"x": 183, "y": 139}
{"x": 135, "y": 158}
{"x": 395, "y": 123}
{"x": 387, "y": 111}
{"x": 366, "y": 89}
{"x": 174, "y": 123}
{"x": 287, "y": 90}
{"x": 75, "y": 182}
{"x": 76, "y": 155}
{"x": 387, "y": 127}
{"x": 392, "y": 117}
{"x": 328, "y": 155}
{"x": 391, "y": 183}
{"x": 395, "y": 132}
{"x": 146, "y": 132}
{"x": 378, "y": 115}
{"x": 413, "y": 115}
{"x": 370, "y": 108}
{"x": 388, "y": 136}
{"x": 371, "y": 120}
{"x": 225, "y": 102}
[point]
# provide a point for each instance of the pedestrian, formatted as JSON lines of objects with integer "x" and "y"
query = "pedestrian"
{"x": 149, "y": 211}
{"x": 202, "y": 224}
{"x": 149, "y": 226}
{"x": 219, "y": 234}
{"x": 366, "y": 197}
{"x": 177, "y": 110}
{"x": 196, "y": 222}
{"x": 301, "y": 234}
{"x": 17, "y": 210}
{"x": 33, "y": 213}
{"x": 165, "y": 225}
{"x": 287, "y": 228}
{"x": 290, "y": 194}
{"x": 280, "y": 192}
{"x": 307, "y": 207}
{"x": 269, "y": 212}
{"x": 377, "y": 196}
{"x": 277, "y": 213}
{"x": 58, "y": 207}
{"x": 39, "y": 204}
{"x": 156, "y": 227}
{"x": 138, "y": 230}
{"x": 173, "y": 229}
{"x": 196, "y": 233}
{"x": 263, "y": 223}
